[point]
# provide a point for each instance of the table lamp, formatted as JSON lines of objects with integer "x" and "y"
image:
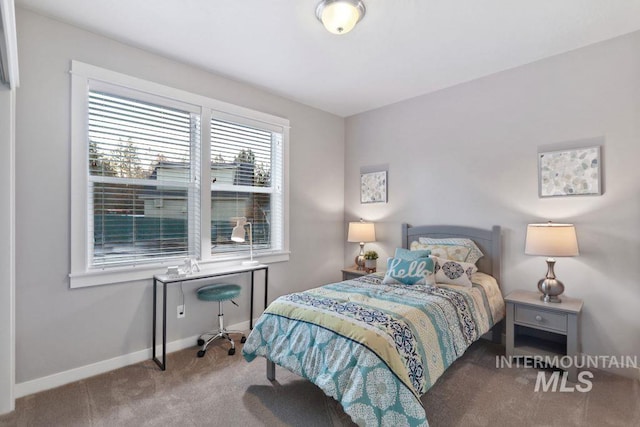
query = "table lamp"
{"x": 551, "y": 240}
{"x": 361, "y": 232}
{"x": 238, "y": 235}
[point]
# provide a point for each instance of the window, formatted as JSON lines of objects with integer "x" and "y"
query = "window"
{"x": 246, "y": 182}
{"x": 141, "y": 174}
{"x": 139, "y": 202}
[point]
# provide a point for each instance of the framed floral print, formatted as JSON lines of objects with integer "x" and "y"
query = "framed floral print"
{"x": 373, "y": 187}
{"x": 576, "y": 172}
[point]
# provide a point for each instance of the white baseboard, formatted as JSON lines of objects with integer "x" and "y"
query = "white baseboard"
{"x": 61, "y": 378}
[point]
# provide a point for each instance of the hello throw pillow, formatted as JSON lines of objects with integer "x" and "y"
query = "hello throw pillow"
{"x": 409, "y": 272}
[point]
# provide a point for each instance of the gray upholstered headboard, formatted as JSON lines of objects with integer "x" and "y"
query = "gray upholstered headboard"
{"x": 488, "y": 241}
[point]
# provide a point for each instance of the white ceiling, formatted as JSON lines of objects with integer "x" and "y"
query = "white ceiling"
{"x": 401, "y": 49}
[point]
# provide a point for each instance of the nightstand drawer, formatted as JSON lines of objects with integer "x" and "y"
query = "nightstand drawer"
{"x": 350, "y": 276}
{"x": 541, "y": 318}
{"x": 352, "y": 273}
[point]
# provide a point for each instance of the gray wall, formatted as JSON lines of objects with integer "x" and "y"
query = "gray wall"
{"x": 59, "y": 329}
{"x": 467, "y": 155}
{"x": 7, "y": 330}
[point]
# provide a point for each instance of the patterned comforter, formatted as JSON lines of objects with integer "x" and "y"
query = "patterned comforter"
{"x": 376, "y": 348}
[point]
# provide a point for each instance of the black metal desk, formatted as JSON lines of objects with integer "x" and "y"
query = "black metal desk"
{"x": 166, "y": 279}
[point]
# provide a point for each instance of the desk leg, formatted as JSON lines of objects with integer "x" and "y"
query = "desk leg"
{"x": 164, "y": 326}
{"x": 153, "y": 339}
{"x": 251, "y": 303}
{"x": 163, "y": 364}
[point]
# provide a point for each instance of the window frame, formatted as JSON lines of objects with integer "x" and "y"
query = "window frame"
{"x": 85, "y": 77}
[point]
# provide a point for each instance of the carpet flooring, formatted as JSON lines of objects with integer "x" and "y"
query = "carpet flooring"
{"x": 222, "y": 390}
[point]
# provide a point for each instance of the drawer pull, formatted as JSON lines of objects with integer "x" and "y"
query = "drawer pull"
{"x": 538, "y": 318}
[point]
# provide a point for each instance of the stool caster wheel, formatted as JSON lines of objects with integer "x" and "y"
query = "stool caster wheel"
{"x": 243, "y": 340}
{"x": 232, "y": 351}
{"x": 200, "y": 342}
{"x": 201, "y": 353}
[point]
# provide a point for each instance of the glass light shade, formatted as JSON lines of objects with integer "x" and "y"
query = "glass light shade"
{"x": 340, "y": 16}
{"x": 361, "y": 232}
{"x": 551, "y": 240}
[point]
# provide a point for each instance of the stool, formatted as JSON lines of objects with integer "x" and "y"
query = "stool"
{"x": 219, "y": 293}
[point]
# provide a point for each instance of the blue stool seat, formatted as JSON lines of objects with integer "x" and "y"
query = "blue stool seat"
{"x": 218, "y": 292}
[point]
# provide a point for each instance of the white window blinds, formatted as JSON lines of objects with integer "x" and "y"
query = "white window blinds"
{"x": 245, "y": 183}
{"x": 142, "y": 180}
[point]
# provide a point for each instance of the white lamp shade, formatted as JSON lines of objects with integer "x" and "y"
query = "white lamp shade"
{"x": 361, "y": 232}
{"x": 340, "y": 16}
{"x": 551, "y": 239}
{"x": 238, "y": 233}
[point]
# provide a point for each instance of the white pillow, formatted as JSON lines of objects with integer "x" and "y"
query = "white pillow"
{"x": 450, "y": 272}
{"x": 453, "y": 252}
{"x": 473, "y": 255}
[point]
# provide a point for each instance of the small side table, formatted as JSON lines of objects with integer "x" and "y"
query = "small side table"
{"x": 537, "y": 328}
{"x": 352, "y": 273}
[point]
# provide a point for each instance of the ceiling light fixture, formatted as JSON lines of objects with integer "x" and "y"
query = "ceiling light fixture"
{"x": 340, "y": 16}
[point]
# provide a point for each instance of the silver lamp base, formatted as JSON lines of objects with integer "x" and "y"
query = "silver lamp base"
{"x": 360, "y": 258}
{"x": 550, "y": 286}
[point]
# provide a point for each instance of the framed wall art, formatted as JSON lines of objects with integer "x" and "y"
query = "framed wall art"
{"x": 575, "y": 172}
{"x": 373, "y": 187}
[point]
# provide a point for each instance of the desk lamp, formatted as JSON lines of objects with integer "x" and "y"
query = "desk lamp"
{"x": 238, "y": 235}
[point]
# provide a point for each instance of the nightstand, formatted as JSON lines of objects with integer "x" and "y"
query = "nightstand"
{"x": 537, "y": 328}
{"x": 352, "y": 273}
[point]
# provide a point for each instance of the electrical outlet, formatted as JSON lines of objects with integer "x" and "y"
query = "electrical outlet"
{"x": 181, "y": 311}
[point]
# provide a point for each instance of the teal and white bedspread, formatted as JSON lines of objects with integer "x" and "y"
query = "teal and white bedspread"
{"x": 376, "y": 348}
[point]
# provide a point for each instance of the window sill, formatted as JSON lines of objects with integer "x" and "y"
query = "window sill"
{"x": 109, "y": 276}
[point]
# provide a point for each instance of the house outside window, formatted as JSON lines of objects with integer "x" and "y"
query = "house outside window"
{"x": 151, "y": 185}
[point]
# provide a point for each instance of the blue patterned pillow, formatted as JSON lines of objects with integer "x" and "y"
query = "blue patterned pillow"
{"x": 411, "y": 255}
{"x": 408, "y": 272}
{"x": 451, "y": 272}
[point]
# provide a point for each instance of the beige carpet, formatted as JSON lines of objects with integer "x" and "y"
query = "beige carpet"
{"x": 221, "y": 390}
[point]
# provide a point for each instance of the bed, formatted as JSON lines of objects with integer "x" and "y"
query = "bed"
{"x": 376, "y": 348}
